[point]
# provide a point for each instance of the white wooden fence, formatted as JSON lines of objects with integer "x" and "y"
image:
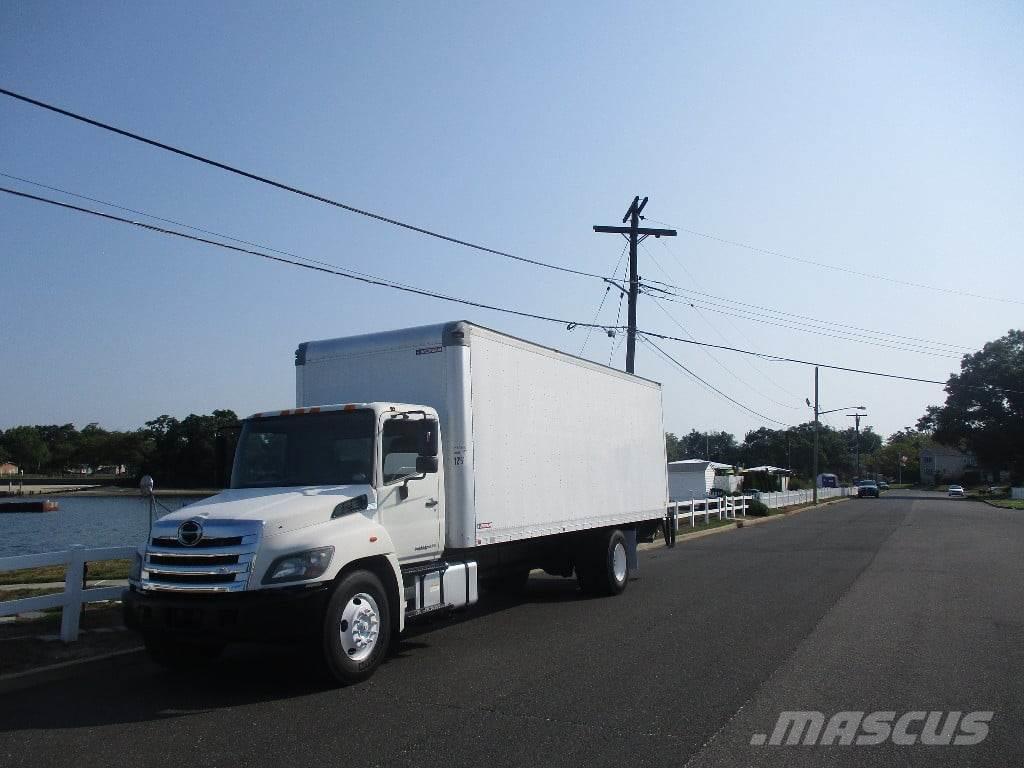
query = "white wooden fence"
{"x": 1017, "y": 493}
{"x": 722, "y": 508}
{"x": 75, "y": 594}
{"x": 774, "y": 500}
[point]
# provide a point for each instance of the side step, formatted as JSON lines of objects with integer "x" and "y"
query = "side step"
{"x": 439, "y": 585}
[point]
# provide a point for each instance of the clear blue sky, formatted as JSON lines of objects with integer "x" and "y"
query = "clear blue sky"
{"x": 879, "y": 137}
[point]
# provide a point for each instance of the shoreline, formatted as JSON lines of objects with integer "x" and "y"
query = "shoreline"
{"x": 54, "y": 491}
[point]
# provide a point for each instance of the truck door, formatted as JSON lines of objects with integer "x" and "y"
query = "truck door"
{"x": 414, "y": 522}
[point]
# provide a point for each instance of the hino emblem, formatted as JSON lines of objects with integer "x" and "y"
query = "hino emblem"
{"x": 189, "y": 533}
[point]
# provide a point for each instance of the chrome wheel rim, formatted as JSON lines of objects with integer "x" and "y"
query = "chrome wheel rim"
{"x": 359, "y": 627}
{"x": 619, "y": 562}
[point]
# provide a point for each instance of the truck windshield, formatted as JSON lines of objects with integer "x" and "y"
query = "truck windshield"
{"x": 332, "y": 448}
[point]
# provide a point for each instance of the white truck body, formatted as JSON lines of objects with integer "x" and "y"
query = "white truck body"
{"x": 416, "y": 465}
{"x": 538, "y": 442}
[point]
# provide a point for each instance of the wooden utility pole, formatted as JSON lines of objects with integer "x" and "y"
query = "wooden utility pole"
{"x": 856, "y": 417}
{"x": 635, "y": 234}
{"x": 817, "y": 426}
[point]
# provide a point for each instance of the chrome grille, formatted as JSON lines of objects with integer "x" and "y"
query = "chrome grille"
{"x": 221, "y": 561}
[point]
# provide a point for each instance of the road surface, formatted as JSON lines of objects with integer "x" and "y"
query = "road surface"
{"x": 911, "y": 602}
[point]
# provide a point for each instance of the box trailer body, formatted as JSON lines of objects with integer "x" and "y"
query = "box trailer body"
{"x": 538, "y": 442}
{"x": 416, "y": 465}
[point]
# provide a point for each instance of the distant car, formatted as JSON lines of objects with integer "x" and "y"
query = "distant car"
{"x": 883, "y": 486}
{"x": 867, "y": 488}
{"x": 956, "y": 490}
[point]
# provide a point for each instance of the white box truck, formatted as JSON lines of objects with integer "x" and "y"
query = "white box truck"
{"x": 417, "y": 465}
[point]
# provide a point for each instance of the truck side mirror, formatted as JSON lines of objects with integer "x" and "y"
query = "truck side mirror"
{"x": 426, "y": 465}
{"x": 428, "y": 441}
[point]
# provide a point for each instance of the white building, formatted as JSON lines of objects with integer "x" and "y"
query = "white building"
{"x": 781, "y": 474}
{"x": 694, "y": 479}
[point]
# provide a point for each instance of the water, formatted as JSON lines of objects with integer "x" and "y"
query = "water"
{"x": 93, "y": 521}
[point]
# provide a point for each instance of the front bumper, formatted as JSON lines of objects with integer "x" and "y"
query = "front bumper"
{"x": 263, "y": 616}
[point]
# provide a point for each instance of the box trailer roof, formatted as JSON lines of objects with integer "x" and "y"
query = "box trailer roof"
{"x": 428, "y": 338}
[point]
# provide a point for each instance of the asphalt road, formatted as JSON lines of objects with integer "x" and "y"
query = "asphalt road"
{"x": 910, "y": 602}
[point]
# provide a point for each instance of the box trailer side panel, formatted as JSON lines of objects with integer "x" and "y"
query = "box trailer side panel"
{"x": 411, "y": 365}
{"x": 559, "y": 443}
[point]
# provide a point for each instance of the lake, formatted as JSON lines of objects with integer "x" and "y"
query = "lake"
{"x": 94, "y": 521}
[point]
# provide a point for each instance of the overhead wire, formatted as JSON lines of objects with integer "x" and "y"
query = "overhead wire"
{"x": 838, "y": 268}
{"x": 907, "y": 347}
{"x": 722, "y": 365}
{"x": 290, "y": 188}
{"x": 383, "y": 282}
{"x": 604, "y": 298}
{"x": 711, "y": 386}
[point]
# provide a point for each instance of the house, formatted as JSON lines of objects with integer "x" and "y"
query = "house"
{"x": 778, "y": 476}
{"x": 694, "y": 478}
{"x": 942, "y": 464}
{"x": 7, "y": 469}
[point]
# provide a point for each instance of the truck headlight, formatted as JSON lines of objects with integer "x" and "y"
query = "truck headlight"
{"x": 299, "y": 566}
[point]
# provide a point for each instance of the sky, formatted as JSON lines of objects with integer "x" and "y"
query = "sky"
{"x": 874, "y": 137}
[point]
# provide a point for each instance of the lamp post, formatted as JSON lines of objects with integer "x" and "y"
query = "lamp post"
{"x": 818, "y": 413}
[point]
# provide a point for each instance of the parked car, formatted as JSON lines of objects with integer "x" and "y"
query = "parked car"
{"x": 956, "y": 490}
{"x": 867, "y": 488}
{"x": 883, "y": 486}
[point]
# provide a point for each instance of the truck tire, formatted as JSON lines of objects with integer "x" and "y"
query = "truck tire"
{"x": 604, "y": 571}
{"x": 357, "y": 627}
{"x": 176, "y": 654}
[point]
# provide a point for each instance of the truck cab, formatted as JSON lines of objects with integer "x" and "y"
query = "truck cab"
{"x": 334, "y": 518}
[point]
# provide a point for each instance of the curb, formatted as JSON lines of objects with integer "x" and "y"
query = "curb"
{"x": 17, "y": 681}
{"x": 998, "y": 506}
{"x": 741, "y": 522}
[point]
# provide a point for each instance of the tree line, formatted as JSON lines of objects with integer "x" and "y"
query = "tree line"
{"x": 793, "y": 449}
{"x": 177, "y": 452}
{"x": 983, "y": 414}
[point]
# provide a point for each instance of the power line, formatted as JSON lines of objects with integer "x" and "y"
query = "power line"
{"x": 317, "y": 267}
{"x": 801, "y": 327}
{"x": 714, "y": 327}
{"x": 722, "y": 365}
{"x": 604, "y": 298}
{"x": 837, "y": 268}
{"x": 681, "y": 327}
{"x": 748, "y": 305}
{"x": 712, "y": 387}
{"x": 289, "y": 188}
{"x": 373, "y": 280}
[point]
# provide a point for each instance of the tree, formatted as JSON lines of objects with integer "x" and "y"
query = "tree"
{"x": 27, "y": 447}
{"x": 984, "y": 408}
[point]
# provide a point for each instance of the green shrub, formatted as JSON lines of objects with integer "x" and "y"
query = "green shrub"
{"x": 757, "y": 508}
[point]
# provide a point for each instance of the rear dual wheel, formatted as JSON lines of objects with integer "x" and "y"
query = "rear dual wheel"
{"x": 602, "y": 567}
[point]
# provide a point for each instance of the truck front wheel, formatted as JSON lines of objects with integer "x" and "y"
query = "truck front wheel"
{"x": 357, "y": 627}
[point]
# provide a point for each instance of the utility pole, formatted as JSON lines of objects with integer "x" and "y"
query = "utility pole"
{"x": 635, "y": 234}
{"x": 856, "y": 418}
{"x": 818, "y": 413}
{"x": 816, "y": 426}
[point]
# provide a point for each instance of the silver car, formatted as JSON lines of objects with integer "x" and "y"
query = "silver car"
{"x": 956, "y": 490}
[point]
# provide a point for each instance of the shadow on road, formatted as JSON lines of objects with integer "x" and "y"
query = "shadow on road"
{"x": 132, "y": 689}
